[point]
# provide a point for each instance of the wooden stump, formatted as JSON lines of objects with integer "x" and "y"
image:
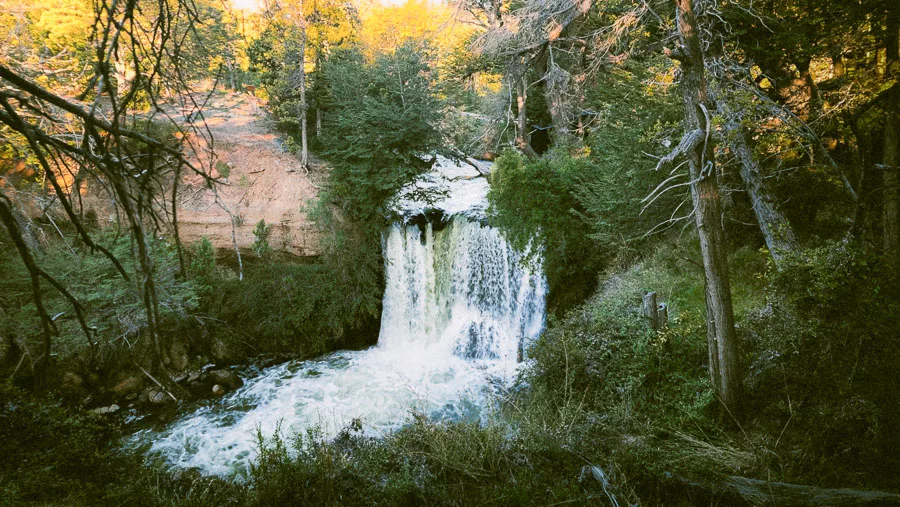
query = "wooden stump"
{"x": 650, "y": 309}
{"x": 657, "y": 314}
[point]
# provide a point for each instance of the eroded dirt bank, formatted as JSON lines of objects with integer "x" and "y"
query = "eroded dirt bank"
{"x": 264, "y": 181}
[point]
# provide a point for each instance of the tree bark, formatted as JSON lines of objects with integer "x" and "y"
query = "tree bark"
{"x": 133, "y": 205}
{"x": 705, "y": 195}
{"x": 178, "y": 246}
{"x": 558, "y": 106}
{"x": 523, "y": 141}
{"x": 891, "y": 223}
{"x": 304, "y": 153}
{"x": 319, "y": 124}
{"x": 814, "y": 104}
{"x": 650, "y": 309}
{"x": 776, "y": 230}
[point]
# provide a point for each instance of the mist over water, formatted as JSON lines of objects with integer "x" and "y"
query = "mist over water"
{"x": 459, "y": 306}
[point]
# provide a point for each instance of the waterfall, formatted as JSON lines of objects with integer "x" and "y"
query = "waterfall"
{"x": 462, "y": 288}
{"x": 460, "y": 304}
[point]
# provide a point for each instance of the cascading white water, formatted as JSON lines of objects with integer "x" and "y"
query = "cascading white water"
{"x": 459, "y": 304}
{"x": 462, "y": 289}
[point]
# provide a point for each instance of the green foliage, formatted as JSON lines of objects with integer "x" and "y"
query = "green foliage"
{"x": 35, "y": 468}
{"x": 631, "y": 119}
{"x": 426, "y": 463}
{"x": 383, "y": 120}
{"x": 824, "y": 365}
{"x": 224, "y": 169}
{"x": 537, "y": 198}
{"x": 203, "y": 266}
{"x": 605, "y": 355}
{"x": 50, "y": 455}
{"x": 113, "y": 306}
{"x": 585, "y": 202}
{"x": 261, "y": 244}
{"x": 304, "y": 308}
{"x": 274, "y": 56}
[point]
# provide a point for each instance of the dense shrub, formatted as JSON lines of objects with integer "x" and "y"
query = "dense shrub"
{"x": 604, "y": 355}
{"x": 584, "y": 202}
{"x": 824, "y": 373}
{"x": 426, "y": 463}
{"x": 537, "y": 198}
{"x": 112, "y": 305}
{"x": 303, "y": 308}
{"x": 50, "y": 455}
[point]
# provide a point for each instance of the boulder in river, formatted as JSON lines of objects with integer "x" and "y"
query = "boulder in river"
{"x": 72, "y": 383}
{"x": 178, "y": 357}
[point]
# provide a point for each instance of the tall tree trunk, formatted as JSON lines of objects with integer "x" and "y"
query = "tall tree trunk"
{"x": 808, "y": 82}
{"x": 864, "y": 184}
{"x": 178, "y": 246}
{"x": 133, "y": 205}
{"x": 319, "y": 124}
{"x": 555, "y": 83}
{"x": 705, "y": 194}
{"x": 891, "y": 159}
{"x": 304, "y": 153}
{"x": 231, "y": 74}
{"x": 522, "y": 141}
{"x": 776, "y": 230}
{"x": 837, "y": 65}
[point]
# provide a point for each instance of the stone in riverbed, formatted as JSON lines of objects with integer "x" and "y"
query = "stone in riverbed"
{"x": 218, "y": 390}
{"x": 127, "y": 386}
{"x": 225, "y": 378}
{"x": 112, "y": 409}
{"x": 72, "y": 383}
{"x": 157, "y": 397}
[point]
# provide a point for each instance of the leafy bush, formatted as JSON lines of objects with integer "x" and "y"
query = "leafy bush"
{"x": 606, "y": 356}
{"x": 304, "y": 308}
{"x": 223, "y": 168}
{"x": 113, "y": 305}
{"x": 531, "y": 198}
{"x": 261, "y": 244}
{"x": 425, "y": 463}
{"x": 641, "y": 397}
{"x": 50, "y": 455}
{"x": 825, "y": 350}
{"x": 585, "y": 201}
{"x": 203, "y": 266}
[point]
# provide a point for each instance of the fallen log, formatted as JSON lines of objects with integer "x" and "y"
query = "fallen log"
{"x": 758, "y": 492}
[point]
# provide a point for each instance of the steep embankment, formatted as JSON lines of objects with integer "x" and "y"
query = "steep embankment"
{"x": 263, "y": 181}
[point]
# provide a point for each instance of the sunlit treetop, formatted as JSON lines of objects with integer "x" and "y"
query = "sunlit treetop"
{"x": 386, "y": 26}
